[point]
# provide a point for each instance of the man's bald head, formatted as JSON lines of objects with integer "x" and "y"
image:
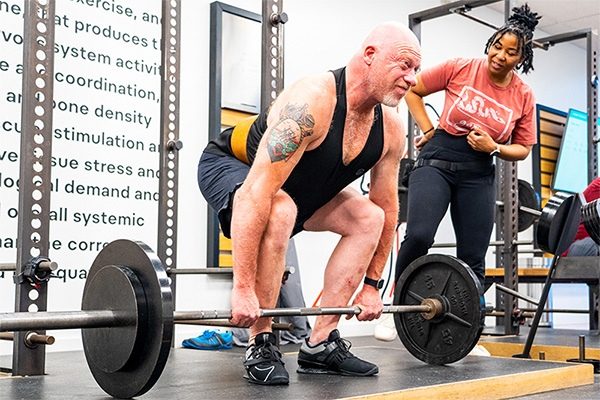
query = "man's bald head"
{"x": 390, "y": 34}
{"x": 386, "y": 64}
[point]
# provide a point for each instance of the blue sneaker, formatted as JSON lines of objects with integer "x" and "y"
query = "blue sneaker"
{"x": 210, "y": 340}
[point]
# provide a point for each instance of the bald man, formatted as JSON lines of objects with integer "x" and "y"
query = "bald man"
{"x": 287, "y": 170}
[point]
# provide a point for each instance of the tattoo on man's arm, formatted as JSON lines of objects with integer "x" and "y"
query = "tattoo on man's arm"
{"x": 295, "y": 123}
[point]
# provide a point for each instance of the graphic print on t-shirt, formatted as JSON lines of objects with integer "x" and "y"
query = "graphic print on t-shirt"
{"x": 474, "y": 108}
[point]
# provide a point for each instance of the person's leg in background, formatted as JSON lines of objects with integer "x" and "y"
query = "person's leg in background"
{"x": 472, "y": 210}
{"x": 585, "y": 247}
{"x": 291, "y": 296}
{"x": 429, "y": 194}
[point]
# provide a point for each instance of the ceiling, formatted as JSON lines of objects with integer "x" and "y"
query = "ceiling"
{"x": 560, "y": 16}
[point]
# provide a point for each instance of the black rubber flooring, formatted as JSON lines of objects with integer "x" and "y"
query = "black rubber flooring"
{"x": 196, "y": 374}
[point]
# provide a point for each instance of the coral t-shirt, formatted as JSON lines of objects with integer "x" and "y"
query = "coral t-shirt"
{"x": 507, "y": 114}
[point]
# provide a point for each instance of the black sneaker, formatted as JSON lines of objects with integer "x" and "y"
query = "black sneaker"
{"x": 263, "y": 362}
{"x": 333, "y": 357}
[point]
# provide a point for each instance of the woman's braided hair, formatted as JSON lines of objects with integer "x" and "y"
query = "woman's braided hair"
{"x": 521, "y": 23}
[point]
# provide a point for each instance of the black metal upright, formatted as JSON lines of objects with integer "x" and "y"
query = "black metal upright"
{"x": 35, "y": 155}
{"x": 507, "y": 190}
{"x": 272, "y": 51}
{"x": 169, "y": 136}
{"x": 592, "y": 83}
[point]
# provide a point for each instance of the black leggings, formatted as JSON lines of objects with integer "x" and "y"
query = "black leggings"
{"x": 472, "y": 198}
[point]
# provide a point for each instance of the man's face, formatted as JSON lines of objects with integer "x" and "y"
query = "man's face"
{"x": 398, "y": 73}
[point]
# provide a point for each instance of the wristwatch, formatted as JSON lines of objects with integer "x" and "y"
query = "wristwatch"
{"x": 496, "y": 151}
{"x": 377, "y": 284}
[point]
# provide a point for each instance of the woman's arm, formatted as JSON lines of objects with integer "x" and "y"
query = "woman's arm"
{"x": 479, "y": 140}
{"x": 416, "y": 106}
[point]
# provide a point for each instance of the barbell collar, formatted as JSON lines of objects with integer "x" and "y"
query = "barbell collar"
{"x": 28, "y": 321}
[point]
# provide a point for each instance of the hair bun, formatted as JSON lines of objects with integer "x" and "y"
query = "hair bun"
{"x": 523, "y": 16}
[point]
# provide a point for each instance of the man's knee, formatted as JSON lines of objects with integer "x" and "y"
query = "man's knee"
{"x": 367, "y": 217}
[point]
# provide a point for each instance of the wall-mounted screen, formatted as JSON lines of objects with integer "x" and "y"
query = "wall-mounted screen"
{"x": 572, "y": 165}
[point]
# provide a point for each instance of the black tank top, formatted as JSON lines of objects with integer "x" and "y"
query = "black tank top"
{"x": 320, "y": 174}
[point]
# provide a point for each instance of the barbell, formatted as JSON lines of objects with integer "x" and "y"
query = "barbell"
{"x": 127, "y": 315}
{"x": 527, "y": 205}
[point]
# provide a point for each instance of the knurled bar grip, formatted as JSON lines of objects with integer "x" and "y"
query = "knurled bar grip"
{"x": 20, "y": 321}
{"x": 292, "y": 312}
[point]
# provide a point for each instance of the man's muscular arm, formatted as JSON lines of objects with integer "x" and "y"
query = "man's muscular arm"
{"x": 383, "y": 192}
{"x": 279, "y": 151}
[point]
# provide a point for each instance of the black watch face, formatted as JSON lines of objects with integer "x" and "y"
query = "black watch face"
{"x": 380, "y": 284}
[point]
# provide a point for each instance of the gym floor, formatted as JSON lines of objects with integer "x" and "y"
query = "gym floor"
{"x": 193, "y": 374}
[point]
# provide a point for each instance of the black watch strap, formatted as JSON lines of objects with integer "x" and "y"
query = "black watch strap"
{"x": 377, "y": 284}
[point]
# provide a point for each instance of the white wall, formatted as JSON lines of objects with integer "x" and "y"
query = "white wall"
{"x": 320, "y": 35}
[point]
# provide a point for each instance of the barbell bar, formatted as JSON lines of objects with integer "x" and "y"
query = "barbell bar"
{"x": 276, "y": 326}
{"x": 46, "y": 320}
{"x": 127, "y": 315}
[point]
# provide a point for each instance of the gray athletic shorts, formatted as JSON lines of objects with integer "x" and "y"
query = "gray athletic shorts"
{"x": 218, "y": 178}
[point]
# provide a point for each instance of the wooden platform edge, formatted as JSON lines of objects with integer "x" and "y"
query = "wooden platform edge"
{"x": 552, "y": 352}
{"x": 498, "y": 387}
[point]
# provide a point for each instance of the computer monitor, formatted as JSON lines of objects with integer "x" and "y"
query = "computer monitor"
{"x": 571, "y": 174}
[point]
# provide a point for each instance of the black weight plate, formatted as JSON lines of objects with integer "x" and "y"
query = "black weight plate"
{"x": 451, "y": 336}
{"x": 595, "y": 215}
{"x": 155, "y": 333}
{"x": 591, "y": 219}
{"x": 527, "y": 198}
{"x": 118, "y": 289}
{"x": 557, "y": 226}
